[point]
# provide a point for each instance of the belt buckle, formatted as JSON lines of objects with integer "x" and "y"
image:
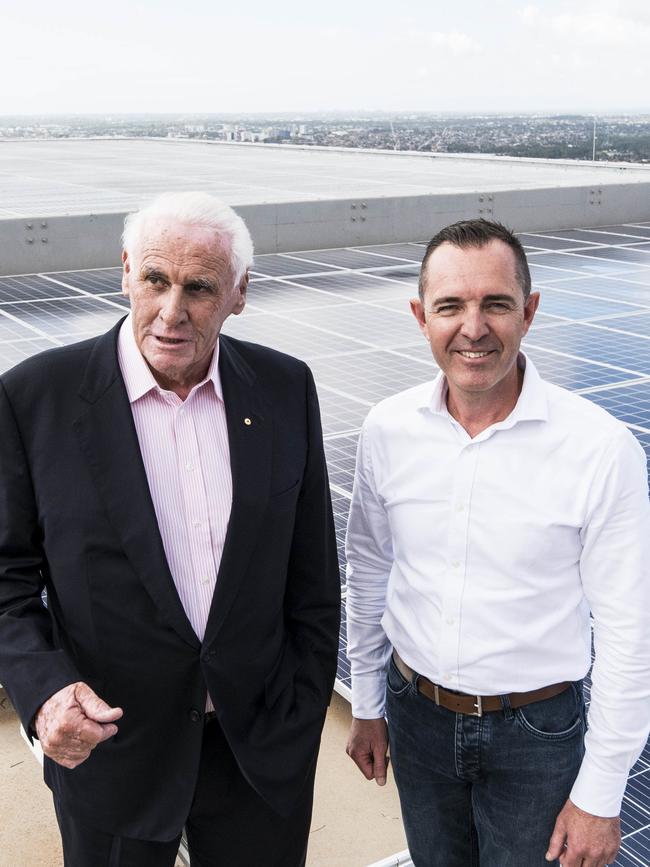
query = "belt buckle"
{"x": 436, "y": 694}
{"x": 478, "y": 704}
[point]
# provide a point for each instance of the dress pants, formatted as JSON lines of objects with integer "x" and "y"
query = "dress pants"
{"x": 482, "y": 791}
{"x": 229, "y": 824}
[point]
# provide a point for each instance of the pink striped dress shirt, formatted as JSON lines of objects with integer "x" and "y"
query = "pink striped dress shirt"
{"x": 186, "y": 457}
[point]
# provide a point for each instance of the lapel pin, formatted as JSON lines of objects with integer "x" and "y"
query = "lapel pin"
{"x": 247, "y": 421}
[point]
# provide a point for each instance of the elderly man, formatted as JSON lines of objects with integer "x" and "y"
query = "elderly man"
{"x": 492, "y": 511}
{"x": 166, "y": 485}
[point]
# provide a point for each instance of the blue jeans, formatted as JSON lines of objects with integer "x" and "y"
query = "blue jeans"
{"x": 482, "y": 790}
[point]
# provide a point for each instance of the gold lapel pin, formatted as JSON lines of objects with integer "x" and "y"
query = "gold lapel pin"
{"x": 247, "y": 421}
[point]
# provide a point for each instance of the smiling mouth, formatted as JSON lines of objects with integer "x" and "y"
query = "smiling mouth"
{"x": 466, "y": 353}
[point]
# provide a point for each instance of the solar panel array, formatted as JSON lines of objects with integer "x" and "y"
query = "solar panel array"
{"x": 346, "y": 313}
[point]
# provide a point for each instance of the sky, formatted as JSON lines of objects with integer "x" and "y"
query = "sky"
{"x": 475, "y": 56}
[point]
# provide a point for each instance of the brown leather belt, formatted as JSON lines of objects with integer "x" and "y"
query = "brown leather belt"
{"x": 475, "y": 705}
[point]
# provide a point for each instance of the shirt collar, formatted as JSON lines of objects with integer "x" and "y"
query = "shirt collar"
{"x": 532, "y": 403}
{"x": 138, "y": 378}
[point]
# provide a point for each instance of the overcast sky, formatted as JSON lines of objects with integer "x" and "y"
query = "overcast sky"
{"x": 347, "y": 55}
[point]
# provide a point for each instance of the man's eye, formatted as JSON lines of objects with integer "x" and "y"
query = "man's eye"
{"x": 446, "y": 309}
{"x": 153, "y": 279}
{"x": 498, "y": 306}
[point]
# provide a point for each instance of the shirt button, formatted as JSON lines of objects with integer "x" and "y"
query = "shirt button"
{"x": 460, "y": 507}
{"x": 455, "y": 563}
{"x": 204, "y": 579}
{"x": 447, "y": 675}
{"x": 189, "y": 466}
{"x": 450, "y": 621}
{"x": 196, "y": 525}
{"x": 195, "y": 715}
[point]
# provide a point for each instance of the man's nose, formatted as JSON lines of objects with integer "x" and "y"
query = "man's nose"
{"x": 173, "y": 309}
{"x": 474, "y": 325}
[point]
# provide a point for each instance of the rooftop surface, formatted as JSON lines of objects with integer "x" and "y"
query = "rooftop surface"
{"x": 61, "y": 177}
{"x": 345, "y": 311}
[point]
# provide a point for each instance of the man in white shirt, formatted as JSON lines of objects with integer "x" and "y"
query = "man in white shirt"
{"x": 491, "y": 513}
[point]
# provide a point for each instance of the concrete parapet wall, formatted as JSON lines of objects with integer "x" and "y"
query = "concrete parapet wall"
{"x": 93, "y": 240}
{"x": 60, "y": 243}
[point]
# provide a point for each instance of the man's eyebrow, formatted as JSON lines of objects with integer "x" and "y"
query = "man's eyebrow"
{"x": 447, "y": 299}
{"x": 498, "y": 297}
{"x": 151, "y": 271}
{"x": 201, "y": 282}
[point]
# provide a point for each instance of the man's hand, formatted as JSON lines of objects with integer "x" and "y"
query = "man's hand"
{"x": 582, "y": 840}
{"x": 367, "y": 747}
{"x": 72, "y": 722}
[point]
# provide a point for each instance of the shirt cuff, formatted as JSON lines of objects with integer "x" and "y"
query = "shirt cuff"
{"x": 369, "y": 695}
{"x": 598, "y": 792}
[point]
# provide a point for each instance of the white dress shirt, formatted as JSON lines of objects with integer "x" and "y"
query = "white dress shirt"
{"x": 184, "y": 446}
{"x": 480, "y": 559}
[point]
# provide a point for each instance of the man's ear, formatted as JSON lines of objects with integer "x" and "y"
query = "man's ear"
{"x": 240, "y": 303}
{"x": 530, "y": 308}
{"x": 417, "y": 309}
{"x": 126, "y": 270}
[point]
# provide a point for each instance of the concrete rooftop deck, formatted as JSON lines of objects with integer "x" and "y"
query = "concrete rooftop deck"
{"x": 67, "y": 176}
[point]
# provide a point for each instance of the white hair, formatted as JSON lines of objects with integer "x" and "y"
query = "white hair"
{"x": 195, "y": 209}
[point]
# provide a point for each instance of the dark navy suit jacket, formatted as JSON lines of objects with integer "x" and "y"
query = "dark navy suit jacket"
{"x": 76, "y": 517}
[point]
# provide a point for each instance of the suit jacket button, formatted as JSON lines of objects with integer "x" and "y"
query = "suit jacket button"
{"x": 195, "y": 715}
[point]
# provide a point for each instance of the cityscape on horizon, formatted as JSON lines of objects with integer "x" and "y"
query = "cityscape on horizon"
{"x": 614, "y": 137}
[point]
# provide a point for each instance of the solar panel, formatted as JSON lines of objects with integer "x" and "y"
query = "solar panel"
{"x": 577, "y": 306}
{"x": 596, "y": 237}
{"x": 66, "y": 316}
{"x": 11, "y": 352}
{"x": 276, "y": 265}
{"x": 561, "y": 241}
{"x": 620, "y": 289}
{"x": 341, "y": 453}
{"x": 622, "y": 254}
{"x": 408, "y": 274}
{"x": 345, "y": 258}
{"x": 629, "y": 403}
{"x": 280, "y": 294}
{"x": 98, "y": 282}
{"x": 375, "y": 326}
{"x": 594, "y": 342}
{"x": 352, "y": 285}
{"x": 577, "y": 374}
{"x": 629, "y": 230}
{"x": 31, "y": 287}
{"x": 373, "y": 375}
{"x": 543, "y": 267}
{"x": 413, "y": 252}
{"x": 353, "y": 325}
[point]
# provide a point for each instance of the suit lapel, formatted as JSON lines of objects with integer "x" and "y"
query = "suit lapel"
{"x": 109, "y": 441}
{"x": 249, "y": 436}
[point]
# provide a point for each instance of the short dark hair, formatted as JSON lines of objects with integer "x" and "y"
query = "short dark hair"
{"x": 478, "y": 233}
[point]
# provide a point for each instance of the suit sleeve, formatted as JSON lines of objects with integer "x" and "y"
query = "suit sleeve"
{"x": 313, "y": 595}
{"x": 31, "y": 668}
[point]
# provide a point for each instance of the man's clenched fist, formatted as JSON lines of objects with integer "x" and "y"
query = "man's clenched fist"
{"x": 72, "y": 722}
